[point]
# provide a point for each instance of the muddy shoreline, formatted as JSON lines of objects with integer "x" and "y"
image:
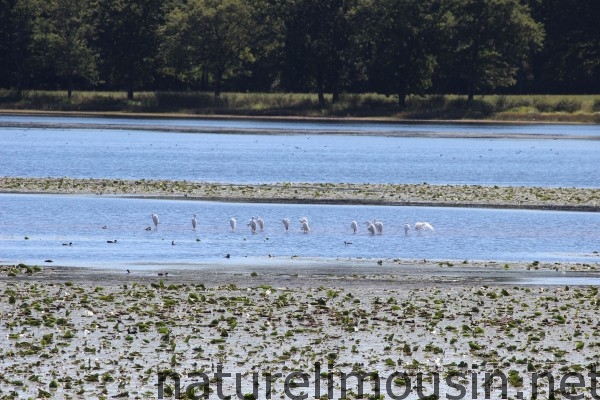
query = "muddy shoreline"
{"x": 75, "y": 333}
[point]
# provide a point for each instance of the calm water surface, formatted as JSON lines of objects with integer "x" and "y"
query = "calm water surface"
{"x": 474, "y": 234}
{"x": 262, "y": 158}
{"x": 480, "y": 130}
{"x": 336, "y": 154}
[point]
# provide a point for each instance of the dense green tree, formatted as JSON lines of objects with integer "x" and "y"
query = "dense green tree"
{"x": 16, "y": 35}
{"x": 570, "y": 59}
{"x": 396, "y": 47}
{"x": 208, "y": 40}
{"x": 62, "y": 36}
{"x": 317, "y": 45}
{"x": 403, "y": 36}
{"x": 267, "y": 47}
{"x": 127, "y": 40}
{"x": 490, "y": 41}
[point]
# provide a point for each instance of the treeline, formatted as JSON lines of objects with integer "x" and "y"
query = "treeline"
{"x": 396, "y": 47}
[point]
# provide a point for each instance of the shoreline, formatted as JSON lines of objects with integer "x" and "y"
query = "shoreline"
{"x": 292, "y": 118}
{"x": 167, "y": 128}
{"x": 425, "y": 195}
{"x": 302, "y": 273}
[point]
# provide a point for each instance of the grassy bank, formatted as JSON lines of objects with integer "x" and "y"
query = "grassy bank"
{"x": 555, "y": 108}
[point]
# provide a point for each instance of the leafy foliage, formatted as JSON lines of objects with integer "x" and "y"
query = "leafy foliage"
{"x": 62, "y": 35}
{"x": 392, "y": 47}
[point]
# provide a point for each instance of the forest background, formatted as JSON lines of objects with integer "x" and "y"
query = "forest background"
{"x": 502, "y": 59}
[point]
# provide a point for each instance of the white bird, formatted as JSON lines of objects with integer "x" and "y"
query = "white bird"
{"x": 261, "y": 223}
{"x": 406, "y": 229}
{"x": 370, "y": 227}
{"x": 232, "y": 223}
{"x": 252, "y": 225}
{"x": 304, "y": 226}
{"x": 155, "y": 220}
{"x": 421, "y": 226}
{"x": 378, "y": 226}
{"x": 438, "y": 363}
{"x": 354, "y": 226}
{"x": 194, "y": 222}
{"x": 286, "y": 223}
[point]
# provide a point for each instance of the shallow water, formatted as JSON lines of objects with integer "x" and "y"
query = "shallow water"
{"x": 381, "y": 128}
{"x": 473, "y": 234}
{"x": 260, "y": 158}
{"x": 460, "y": 233}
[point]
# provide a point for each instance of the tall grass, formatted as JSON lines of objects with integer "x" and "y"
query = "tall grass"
{"x": 575, "y": 108}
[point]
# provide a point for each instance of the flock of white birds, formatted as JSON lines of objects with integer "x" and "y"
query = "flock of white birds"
{"x": 257, "y": 223}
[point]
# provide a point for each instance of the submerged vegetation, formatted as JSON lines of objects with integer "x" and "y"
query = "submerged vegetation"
{"x": 75, "y": 339}
{"x": 582, "y": 199}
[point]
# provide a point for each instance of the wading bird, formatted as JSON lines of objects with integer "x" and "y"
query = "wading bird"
{"x": 252, "y": 225}
{"x": 155, "y": 220}
{"x": 354, "y": 226}
{"x": 370, "y": 227}
{"x": 232, "y": 223}
{"x": 304, "y": 225}
{"x": 261, "y": 223}
{"x": 422, "y": 226}
{"x": 286, "y": 223}
{"x": 378, "y": 226}
{"x": 406, "y": 229}
{"x": 194, "y": 222}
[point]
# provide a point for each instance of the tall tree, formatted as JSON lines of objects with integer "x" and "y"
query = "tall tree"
{"x": 62, "y": 35}
{"x": 16, "y": 36}
{"x": 570, "y": 59}
{"x": 127, "y": 40}
{"x": 403, "y": 36}
{"x": 267, "y": 46}
{"x": 317, "y": 44}
{"x": 491, "y": 40}
{"x": 208, "y": 39}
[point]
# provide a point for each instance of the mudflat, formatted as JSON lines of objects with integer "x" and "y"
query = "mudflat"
{"x": 575, "y": 199}
{"x": 420, "y": 328}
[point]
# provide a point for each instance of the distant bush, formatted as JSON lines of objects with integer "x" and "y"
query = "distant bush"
{"x": 596, "y": 106}
{"x": 179, "y": 100}
{"x": 475, "y": 109}
{"x": 567, "y": 105}
{"x": 505, "y": 103}
{"x": 542, "y": 105}
{"x": 427, "y": 104}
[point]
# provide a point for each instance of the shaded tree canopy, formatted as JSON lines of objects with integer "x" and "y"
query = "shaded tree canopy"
{"x": 62, "y": 33}
{"x": 403, "y": 36}
{"x": 396, "y": 47}
{"x": 127, "y": 41}
{"x": 16, "y": 35}
{"x": 489, "y": 41}
{"x": 208, "y": 39}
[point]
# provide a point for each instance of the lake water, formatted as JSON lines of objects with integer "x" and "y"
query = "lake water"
{"x": 304, "y": 156}
{"x": 289, "y": 152}
{"x": 48, "y": 221}
{"x": 330, "y": 126}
